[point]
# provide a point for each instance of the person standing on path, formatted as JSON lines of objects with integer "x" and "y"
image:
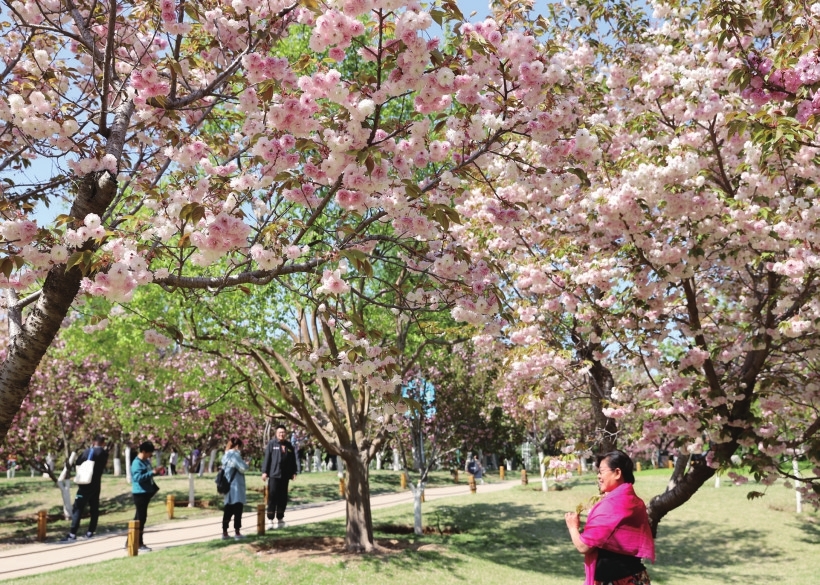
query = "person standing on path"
{"x": 278, "y": 468}
{"x": 89, "y": 494}
{"x": 235, "y": 468}
{"x": 617, "y": 533}
{"x": 143, "y": 487}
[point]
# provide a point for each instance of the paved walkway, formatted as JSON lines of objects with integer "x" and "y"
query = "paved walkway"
{"x": 32, "y": 559}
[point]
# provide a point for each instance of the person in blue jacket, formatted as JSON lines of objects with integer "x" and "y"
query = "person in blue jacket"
{"x": 143, "y": 487}
{"x": 235, "y": 468}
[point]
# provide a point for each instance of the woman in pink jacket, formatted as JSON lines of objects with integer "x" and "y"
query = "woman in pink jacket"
{"x": 617, "y": 534}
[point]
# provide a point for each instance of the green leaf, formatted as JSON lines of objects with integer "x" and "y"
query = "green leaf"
{"x": 6, "y": 266}
{"x": 582, "y": 176}
{"x": 73, "y": 260}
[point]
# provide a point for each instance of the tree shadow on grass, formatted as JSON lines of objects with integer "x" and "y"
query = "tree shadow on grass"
{"x": 528, "y": 538}
{"x": 810, "y": 530}
{"x": 705, "y": 550}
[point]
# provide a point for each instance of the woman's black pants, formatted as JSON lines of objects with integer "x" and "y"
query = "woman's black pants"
{"x": 141, "y": 502}
{"x": 234, "y": 510}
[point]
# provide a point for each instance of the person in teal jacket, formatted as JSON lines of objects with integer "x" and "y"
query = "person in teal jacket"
{"x": 235, "y": 468}
{"x": 143, "y": 487}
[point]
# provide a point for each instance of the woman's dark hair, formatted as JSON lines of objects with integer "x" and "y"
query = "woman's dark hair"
{"x": 234, "y": 442}
{"x": 620, "y": 460}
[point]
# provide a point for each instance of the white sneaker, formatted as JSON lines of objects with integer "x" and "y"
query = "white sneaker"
{"x": 273, "y": 525}
{"x": 281, "y": 524}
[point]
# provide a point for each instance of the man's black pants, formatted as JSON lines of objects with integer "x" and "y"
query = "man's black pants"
{"x": 90, "y": 498}
{"x": 277, "y": 497}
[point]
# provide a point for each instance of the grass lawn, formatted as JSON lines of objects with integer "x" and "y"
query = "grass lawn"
{"x": 23, "y": 496}
{"x": 513, "y": 536}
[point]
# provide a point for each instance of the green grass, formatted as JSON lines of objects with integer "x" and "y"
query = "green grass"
{"x": 513, "y": 536}
{"x": 23, "y": 496}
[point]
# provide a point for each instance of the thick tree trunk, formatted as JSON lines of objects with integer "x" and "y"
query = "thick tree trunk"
{"x": 684, "y": 483}
{"x": 42, "y": 324}
{"x": 600, "y": 389}
{"x": 359, "y": 530}
{"x": 30, "y": 338}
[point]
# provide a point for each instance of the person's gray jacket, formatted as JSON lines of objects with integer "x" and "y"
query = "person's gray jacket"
{"x": 235, "y": 468}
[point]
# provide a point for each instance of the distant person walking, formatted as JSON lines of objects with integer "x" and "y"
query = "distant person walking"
{"x": 89, "y": 494}
{"x": 475, "y": 469}
{"x": 235, "y": 468}
{"x": 278, "y": 468}
{"x": 143, "y": 487}
{"x": 172, "y": 461}
{"x": 11, "y": 466}
{"x": 617, "y": 534}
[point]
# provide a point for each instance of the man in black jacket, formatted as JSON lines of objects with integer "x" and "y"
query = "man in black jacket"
{"x": 278, "y": 468}
{"x": 89, "y": 494}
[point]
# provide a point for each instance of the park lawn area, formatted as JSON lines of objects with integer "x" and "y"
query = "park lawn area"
{"x": 512, "y": 536}
{"x": 22, "y": 497}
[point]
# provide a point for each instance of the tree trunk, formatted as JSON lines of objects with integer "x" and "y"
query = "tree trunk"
{"x": 418, "y": 492}
{"x": 128, "y": 463}
{"x": 211, "y": 461}
{"x": 682, "y": 486}
{"x": 65, "y": 491}
{"x": 600, "y": 388}
{"x": 117, "y": 462}
{"x": 543, "y": 469}
{"x": 29, "y": 339}
{"x": 191, "y": 491}
{"x": 359, "y": 529}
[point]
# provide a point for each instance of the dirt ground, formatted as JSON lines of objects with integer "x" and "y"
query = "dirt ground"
{"x": 327, "y": 550}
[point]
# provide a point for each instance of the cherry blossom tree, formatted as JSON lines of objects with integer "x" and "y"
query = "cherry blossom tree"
{"x": 197, "y": 150}
{"x": 332, "y": 363}
{"x": 684, "y": 246}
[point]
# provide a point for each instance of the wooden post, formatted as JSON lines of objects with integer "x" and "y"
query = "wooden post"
{"x": 638, "y": 466}
{"x": 455, "y": 476}
{"x": 260, "y": 519}
{"x": 502, "y": 472}
{"x": 42, "y": 519}
{"x": 169, "y": 505}
{"x": 670, "y": 464}
{"x": 342, "y": 486}
{"x": 403, "y": 480}
{"x": 472, "y": 484}
{"x": 265, "y": 492}
{"x": 524, "y": 480}
{"x": 422, "y": 496}
{"x": 133, "y": 538}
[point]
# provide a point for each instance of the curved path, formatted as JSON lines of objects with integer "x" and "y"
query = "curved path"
{"x": 32, "y": 559}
